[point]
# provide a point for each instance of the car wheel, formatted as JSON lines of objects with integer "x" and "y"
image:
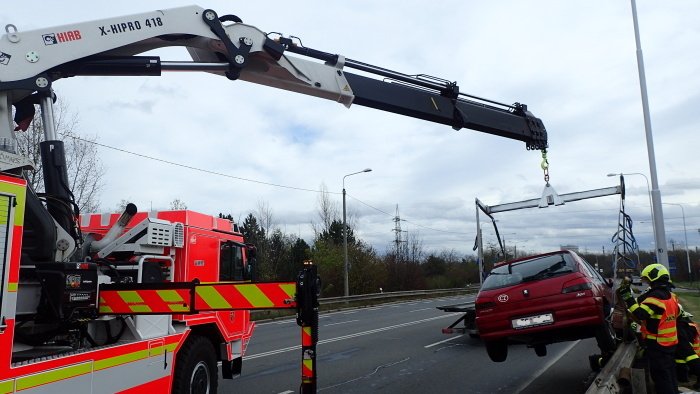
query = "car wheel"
{"x": 497, "y": 350}
{"x": 605, "y": 336}
{"x": 541, "y": 350}
{"x": 474, "y": 336}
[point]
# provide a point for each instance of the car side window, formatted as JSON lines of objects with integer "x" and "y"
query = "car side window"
{"x": 593, "y": 272}
{"x": 586, "y": 269}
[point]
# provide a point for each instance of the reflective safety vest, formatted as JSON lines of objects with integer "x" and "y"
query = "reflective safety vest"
{"x": 667, "y": 334}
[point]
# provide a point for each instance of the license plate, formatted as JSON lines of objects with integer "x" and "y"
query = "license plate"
{"x": 533, "y": 321}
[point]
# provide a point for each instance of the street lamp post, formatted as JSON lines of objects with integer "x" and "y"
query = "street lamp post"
{"x": 651, "y": 207}
{"x": 345, "y": 236}
{"x": 685, "y": 232}
{"x": 660, "y": 233}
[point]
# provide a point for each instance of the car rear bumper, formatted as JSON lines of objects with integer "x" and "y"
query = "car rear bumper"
{"x": 573, "y": 319}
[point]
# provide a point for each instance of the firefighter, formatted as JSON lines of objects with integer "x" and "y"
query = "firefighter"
{"x": 687, "y": 359}
{"x": 658, "y": 310}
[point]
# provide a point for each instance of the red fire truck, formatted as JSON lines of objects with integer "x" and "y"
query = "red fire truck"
{"x": 150, "y": 302}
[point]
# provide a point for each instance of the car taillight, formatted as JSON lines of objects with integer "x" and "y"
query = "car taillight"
{"x": 577, "y": 287}
{"x": 485, "y": 305}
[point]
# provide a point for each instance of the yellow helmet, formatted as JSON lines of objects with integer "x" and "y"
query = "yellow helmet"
{"x": 654, "y": 272}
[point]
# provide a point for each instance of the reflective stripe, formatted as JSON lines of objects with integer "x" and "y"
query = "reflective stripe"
{"x": 255, "y": 296}
{"x": 648, "y": 310}
{"x": 7, "y": 386}
{"x": 19, "y": 192}
{"x": 662, "y": 339}
{"x": 174, "y": 300}
{"x": 307, "y": 368}
{"x": 27, "y": 382}
{"x": 306, "y": 339}
{"x": 212, "y": 297}
{"x": 654, "y": 301}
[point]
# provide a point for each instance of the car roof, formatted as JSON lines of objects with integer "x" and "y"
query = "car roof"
{"x": 500, "y": 263}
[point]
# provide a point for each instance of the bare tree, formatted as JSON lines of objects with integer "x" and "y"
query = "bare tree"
{"x": 85, "y": 170}
{"x": 415, "y": 250}
{"x": 265, "y": 217}
{"x": 177, "y": 204}
{"x": 327, "y": 211}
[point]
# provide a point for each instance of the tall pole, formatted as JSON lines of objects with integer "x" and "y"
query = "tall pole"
{"x": 660, "y": 234}
{"x": 687, "y": 247}
{"x": 346, "y": 276}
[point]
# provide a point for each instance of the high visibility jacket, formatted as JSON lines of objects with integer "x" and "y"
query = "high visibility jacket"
{"x": 658, "y": 308}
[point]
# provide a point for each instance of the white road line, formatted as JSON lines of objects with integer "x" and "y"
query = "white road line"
{"x": 287, "y": 392}
{"x": 342, "y": 322}
{"x": 546, "y": 367}
{"x": 443, "y": 341}
{"x": 344, "y": 337}
{"x": 418, "y": 310}
{"x": 287, "y": 321}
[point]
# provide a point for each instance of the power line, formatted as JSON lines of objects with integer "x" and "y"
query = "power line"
{"x": 202, "y": 169}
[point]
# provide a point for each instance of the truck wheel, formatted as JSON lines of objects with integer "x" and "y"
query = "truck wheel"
{"x": 195, "y": 369}
{"x": 497, "y": 350}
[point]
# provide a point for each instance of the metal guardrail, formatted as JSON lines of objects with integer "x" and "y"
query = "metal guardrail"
{"x": 396, "y": 294}
{"x": 608, "y": 380}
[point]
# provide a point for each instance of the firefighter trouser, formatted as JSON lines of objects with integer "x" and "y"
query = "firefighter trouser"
{"x": 662, "y": 368}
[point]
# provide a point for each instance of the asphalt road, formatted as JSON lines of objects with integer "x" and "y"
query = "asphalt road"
{"x": 399, "y": 348}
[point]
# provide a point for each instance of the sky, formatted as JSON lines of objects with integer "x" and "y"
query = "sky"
{"x": 573, "y": 63}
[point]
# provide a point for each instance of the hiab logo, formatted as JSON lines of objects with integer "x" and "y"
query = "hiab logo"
{"x": 5, "y": 58}
{"x": 57, "y": 38}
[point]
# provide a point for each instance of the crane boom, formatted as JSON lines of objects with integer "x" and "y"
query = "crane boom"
{"x": 33, "y": 60}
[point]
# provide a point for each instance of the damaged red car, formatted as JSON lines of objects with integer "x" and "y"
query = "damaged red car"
{"x": 544, "y": 299}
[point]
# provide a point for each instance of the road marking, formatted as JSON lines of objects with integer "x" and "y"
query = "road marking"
{"x": 286, "y": 321}
{"x": 546, "y": 367}
{"x": 287, "y": 392}
{"x": 344, "y": 337}
{"x": 342, "y": 322}
{"x": 443, "y": 341}
{"x": 418, "y": 310}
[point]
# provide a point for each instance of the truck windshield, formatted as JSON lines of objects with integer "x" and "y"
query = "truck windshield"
{"x": 529, "y": 270}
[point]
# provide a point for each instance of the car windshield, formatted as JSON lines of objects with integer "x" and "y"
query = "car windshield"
{"x": 529, "y": 270}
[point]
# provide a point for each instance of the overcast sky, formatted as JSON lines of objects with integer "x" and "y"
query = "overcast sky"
{"x": 572, "y": 63}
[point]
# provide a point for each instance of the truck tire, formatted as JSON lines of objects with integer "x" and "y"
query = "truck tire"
{"x": 196, "y": 368}
{"x": 497, "y": 350}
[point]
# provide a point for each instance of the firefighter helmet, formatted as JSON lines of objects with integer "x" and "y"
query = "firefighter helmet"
{"x": 654, "y": 272}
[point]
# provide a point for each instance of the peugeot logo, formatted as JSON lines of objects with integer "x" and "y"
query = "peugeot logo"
{"x": 503, "y": 297}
